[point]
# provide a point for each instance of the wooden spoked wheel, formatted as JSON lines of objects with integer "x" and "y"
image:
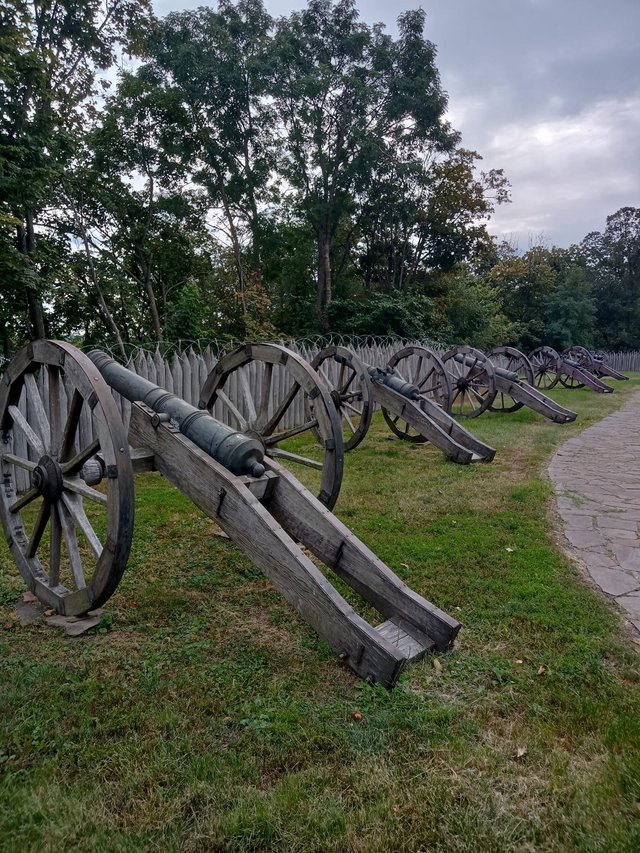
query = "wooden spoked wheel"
{"x": 582, "y": 356}
{"x": 511, "y": 359}
{"x": 352, "y": 391}
{"x": 424, "y": 369}
{"x": 584, "y": 359}
{"x": 270, "y": 393}
{"x": 67, "y": 499}
{"x": 546, "y": 367}
{"x": 472, "y": 378}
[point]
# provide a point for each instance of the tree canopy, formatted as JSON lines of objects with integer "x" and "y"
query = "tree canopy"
{"x": 219, "y": 173}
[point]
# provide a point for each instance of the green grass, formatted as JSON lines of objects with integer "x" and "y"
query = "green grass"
{"x": 207, "y": 716}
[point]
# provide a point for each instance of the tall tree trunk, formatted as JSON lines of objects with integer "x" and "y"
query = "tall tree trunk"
{"x": 235, "y": 240}
{"x": 27, "y": 245}
{"x": 145, "y": 269}
{"x": 102, "y": 302}
{"x": 324, "y": 291}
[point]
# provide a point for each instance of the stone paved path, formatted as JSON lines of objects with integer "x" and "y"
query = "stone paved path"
{"x": 597, "y": 481}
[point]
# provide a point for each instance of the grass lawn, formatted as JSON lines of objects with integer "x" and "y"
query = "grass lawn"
{"x": 205, "y": 715}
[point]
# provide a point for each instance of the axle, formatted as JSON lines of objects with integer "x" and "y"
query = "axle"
{"x": 238, "y": 453}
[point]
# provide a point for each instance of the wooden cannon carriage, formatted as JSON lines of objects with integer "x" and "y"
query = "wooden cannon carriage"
{"x": 551, "y": 367}
{"x": 500, "y": 381}
{"x": 593, "y": 362}
{"x": 71, "y": 530}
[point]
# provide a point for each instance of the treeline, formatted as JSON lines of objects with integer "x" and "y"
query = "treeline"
{"x": 246, "y": 177}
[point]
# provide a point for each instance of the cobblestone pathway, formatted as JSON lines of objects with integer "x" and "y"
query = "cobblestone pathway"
{"x": 597, "y": 481}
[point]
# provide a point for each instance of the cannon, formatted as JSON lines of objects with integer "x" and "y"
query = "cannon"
{"x": 414, "y": 395}
{"x": 70, "y": 530}
{"x": 500, "y": 381}
{"x": 550, "y": 368}
{"x": 594, "y": 362}
{"x": 413, "y": 412}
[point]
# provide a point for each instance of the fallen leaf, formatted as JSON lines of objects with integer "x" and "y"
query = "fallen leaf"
{"x": 521, "y": 751}
{"x": 542, "y": 670}
{"x": 519, "y": 662}
{"x": 437, "y": 665}
{"x": 357, "y": 716}
{"x": 404, "y": 565}
{"x": 28, "y": 597}
{"x": 510, "y": 550}
{"x": 48, "y": 612}
{"x": 627, "y": 682}
{"x": 7, "y": 626}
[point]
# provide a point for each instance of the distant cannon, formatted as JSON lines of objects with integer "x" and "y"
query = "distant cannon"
{"x": 594, "y": 362}
{"x": 550, "y": 368}
{"x": 500, "y": 381}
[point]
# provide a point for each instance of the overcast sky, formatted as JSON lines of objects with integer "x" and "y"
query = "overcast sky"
{"x": 548, "y": 90}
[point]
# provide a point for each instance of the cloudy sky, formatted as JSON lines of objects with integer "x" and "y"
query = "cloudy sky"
{"x": 548, "y": 90}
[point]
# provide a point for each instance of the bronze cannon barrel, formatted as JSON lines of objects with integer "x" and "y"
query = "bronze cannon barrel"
{"x": 239, "y": 453}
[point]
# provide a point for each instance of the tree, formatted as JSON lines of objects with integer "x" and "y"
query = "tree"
{"x": 212, "y": 65}
{"x": 346, "y": 95}
{"x": 524, "y": 285}
{"x": 613, "y": 266}
{"x": 571, "y": 311}
{"x": 51, "y": 54}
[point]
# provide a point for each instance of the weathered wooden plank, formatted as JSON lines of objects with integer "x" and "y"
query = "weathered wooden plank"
{"x": 310, "y": 522}
{"x": 241, "y": 515}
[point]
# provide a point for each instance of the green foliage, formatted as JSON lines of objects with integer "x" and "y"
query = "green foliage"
{"x": 571, "y": 311}
{"x": 406, "y": 315}
{"x": 613, "y": 264}
{"x": 271, "y": 168}
{"x": 473, "y": 312}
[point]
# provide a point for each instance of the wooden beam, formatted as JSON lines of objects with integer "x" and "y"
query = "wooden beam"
{"x": 227, "y": 500}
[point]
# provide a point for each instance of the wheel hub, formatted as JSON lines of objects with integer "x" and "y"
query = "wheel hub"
{"x": 46, "y": 477}
{"x": 462, "y": 384}
{"x": 335, "y": 396}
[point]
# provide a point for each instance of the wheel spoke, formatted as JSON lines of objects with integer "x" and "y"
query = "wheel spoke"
{"x": 240, "y": 420}
{"x": 75, "y": 508}
{"x": 479, "y": 396}
{"x": 25, "y": 500}
{"x": 38, "y": 530}
{"x": 345, "y": 415}
{"x": 294, "y": 457}
{"x": 18, "y": 461}
{"x": 72, "y": 467}
{"x": 247, "y": 396}
{"x": 344, "y": 389}
{"x": 267, "y": 379}
{"x": 426, "y": 378}
{"x": 56, "y": 547}
{"x": 277, "y": 416}
{"x": 347, "y": 405}
{"x": 71, "y": 540}
{"x": 37, "y": 412}
{"x": 80, "y": 488}
{"x": 281, "y": 436}
{"x": 32, "y": 438}
{"x": 71, "y": 426}
{"x": 55, "y": 408}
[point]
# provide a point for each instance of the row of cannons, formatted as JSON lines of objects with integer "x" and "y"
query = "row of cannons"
{"x": 70, "y": 531}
